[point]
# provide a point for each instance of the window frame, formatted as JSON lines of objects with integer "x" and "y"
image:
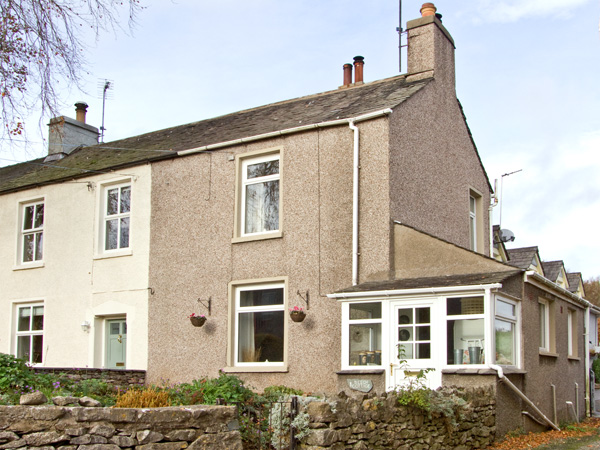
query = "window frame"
{"x": 30, "y": 332}
{"x": 235, "y": 289}
{"x": 347, "y": 322}
{"x": 515, "y": 321}
{"x": 572, "y": 341}
{"x": 476, "y": 231}
{"x": 104, "y": 218}
{"x": 34, "y": 231}
{"x": 468, "y": 317}
{"x": 547, "y": 331}
{"x": 242, "y": 162}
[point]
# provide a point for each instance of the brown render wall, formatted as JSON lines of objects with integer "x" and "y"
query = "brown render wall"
{"x": 192, "y": 255}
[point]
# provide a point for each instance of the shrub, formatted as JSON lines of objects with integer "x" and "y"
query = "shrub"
{"x": 14, "y": 373}
{"x": 148, "y": 397}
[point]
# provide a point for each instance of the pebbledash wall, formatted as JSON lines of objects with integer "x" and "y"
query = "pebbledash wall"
{"x": 366, "y": 422}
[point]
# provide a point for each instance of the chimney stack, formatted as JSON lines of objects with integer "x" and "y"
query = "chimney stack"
{"x": 347, "y": 75}
{"x": 359, "y": 62}
{"x": 80, "y": 111}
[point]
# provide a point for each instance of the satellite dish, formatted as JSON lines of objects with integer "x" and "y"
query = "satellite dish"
{"x": 507, "y": 235}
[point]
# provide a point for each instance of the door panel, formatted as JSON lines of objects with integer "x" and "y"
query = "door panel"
{"x": 116, "y": 344}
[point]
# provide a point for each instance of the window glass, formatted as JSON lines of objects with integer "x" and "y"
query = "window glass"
{"x": 465, "y": 336}
{"x": 32, "y": 233}
{"x": 505, "y": 342}
{"x": 263, "y": 169}
{"x": 505, "y": 309}
{"x": 543, "y": 326}
{"x": 413, "y": 333}
{"x": 362, "y": 311}
{"x": 117, "y": 217}
{"x": 260, "y": 195}
{"x": 29, "y": 339}
{"x": 464, "y": 306}
{"x": 261, "y": 297}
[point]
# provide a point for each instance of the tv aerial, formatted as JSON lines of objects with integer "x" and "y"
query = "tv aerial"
{"x": 105, "y": 88}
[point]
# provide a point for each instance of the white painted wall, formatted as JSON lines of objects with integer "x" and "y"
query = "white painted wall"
{"x": 74, "y": 282}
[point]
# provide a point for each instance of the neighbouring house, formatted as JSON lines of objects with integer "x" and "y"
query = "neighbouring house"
{"x": 367, "y": 206}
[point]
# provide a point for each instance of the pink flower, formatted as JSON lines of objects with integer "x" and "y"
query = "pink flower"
{"x": 295, "y": 309}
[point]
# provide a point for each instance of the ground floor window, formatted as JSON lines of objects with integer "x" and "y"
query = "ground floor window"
{"x": 465, "y": 330}
{"x": 364, "y": 340}
{"x": 259, "y": 324}
{"x": 505, "y": 328}
{"x": 30, "y": 333}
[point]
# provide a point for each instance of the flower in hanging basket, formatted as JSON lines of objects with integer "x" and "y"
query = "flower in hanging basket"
{"x": 197, "y": 320}
{"x": 297, "y": 314}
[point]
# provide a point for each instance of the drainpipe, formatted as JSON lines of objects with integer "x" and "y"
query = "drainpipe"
{"x": 517, "y": 391}
{"x": 355, "y": 206}
{"x": 586, "y": 349}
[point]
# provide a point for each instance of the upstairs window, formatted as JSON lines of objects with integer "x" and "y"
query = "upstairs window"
{"x": 259, "y": 195}
{"x": 31, "y": 246}
{"x": 572, "y": 338}
{"x": 116, "y": 213}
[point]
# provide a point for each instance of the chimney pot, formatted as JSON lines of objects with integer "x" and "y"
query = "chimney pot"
{"x": 80, "y": 111}
{"x": 359, "y": 62}
{"x": 428, "y": 9}
{"x": 347, "y": 74}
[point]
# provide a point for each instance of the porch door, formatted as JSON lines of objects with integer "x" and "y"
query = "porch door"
{"x": 116, "y": 343}
{"x": 414, "y": 345}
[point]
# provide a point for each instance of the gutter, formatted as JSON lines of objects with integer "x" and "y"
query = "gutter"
{"x": 533, "y": 277}
{"x": 398, "y": 292}
{"x": 273, "y": 134}
{"x": 517, "y": 391}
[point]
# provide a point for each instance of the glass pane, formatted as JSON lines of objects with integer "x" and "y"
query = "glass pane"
{"x": 124, "y": 241}
{"x": 112, "y": 232}
{"x": 38, "y": 347}
{"x": 465, "y": 336}
{"x": 423, "y": 315}
{"x": 423, "y": 351}
{"x": 24, "y": 322}
{"x": 261, "y": 297}
{"x": 405, "y": 316}
{"x": 472, "y": 204}
{"x": 23, "y": 343}
{"x": 28, "y": 247}
{"x": 39, "y": 215}
{"x": 262, "y": 207}
{"x": 28, "y": 218}
{"x": 39, "y": 246}
{"x": 423, "y": 333}
{"x": 505, "y": 309}
{"x": 363, "y": 311}
{"x": 112, "y": 202}
{"x": 262, "y": 169}
{"x": 115, "y": 328}
{"x": 405, "y": 351}
{"x": 124, "y": 328}
{"x": 260, "y": 336}
{"x": 365, "y": 344}
{"x": 505, "y": 342}
{"x": 467, "y": 305}
{"x": 405, "y": 334}
{"x": 38, "y": 318}
{"x": 542, "y": 325}
{"x": 125, "y": 204}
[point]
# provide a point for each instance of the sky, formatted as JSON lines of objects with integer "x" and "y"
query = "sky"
{"x": 527, "y": 76}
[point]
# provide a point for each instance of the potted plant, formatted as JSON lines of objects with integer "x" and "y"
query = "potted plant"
{"x": 197, "y": 320}
{"x": 297, "y": 314}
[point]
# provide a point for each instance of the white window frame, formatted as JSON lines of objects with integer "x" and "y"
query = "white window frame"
{"x": 243, "y": 162}
{"x": 473, "y": 222}
{"x": 458, "y": 317}
{"x": 347, "y": 322}
{"x": 515, "y": 320}
{"x": 34, "y": 231}
{"x": 572, "y": 341}
{"x": 237, "y": 289}
{"x": 31, "y": 333}
{"x": 544, "y": 320}
{"x": 105, "y": 218}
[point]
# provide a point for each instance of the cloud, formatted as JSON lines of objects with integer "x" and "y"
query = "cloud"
{"x": 513, "y": 10}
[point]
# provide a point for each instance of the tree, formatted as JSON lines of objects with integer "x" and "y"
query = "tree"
{"x": 41, "y": 44}
{"x": 592, "y": 290}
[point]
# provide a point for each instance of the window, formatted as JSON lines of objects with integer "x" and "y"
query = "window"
{"x": 259, "y": 325}
{"x": 116, "y": 212}
{"x": 32, "y": 232}
{"x": 546, "y": 320}
{"x": 413, "y": 333}
{"x": 475, "y": 222}
{"x": 30, "y": 333}
{"x": 465, "y": 330}
{"x": 259, "y": 195}
{"x": 572, "y": 340}
{"x": 364, "y": 337}
{"x": 505, "y": 325}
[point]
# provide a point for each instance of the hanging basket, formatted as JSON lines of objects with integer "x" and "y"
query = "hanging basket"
{"x": 298, "y": 316}
{"x": 198, "y": 321}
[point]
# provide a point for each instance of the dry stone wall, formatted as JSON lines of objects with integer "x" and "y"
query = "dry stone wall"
{"x": 378, "y": 422}
{"x": 80, "y": 428}
{"x": 116, "y": 377}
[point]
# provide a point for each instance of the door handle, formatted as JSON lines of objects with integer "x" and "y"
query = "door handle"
{"x": 391, "y": 369}
{"x": 119, "y": 339}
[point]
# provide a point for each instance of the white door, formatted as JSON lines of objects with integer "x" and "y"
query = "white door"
{"x": 116, "y": 344}
{"x": 414, "y": 345}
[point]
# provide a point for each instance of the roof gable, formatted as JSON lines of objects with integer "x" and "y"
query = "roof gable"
{"x": 526, "y": 258}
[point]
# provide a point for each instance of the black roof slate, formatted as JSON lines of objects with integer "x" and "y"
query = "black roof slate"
{"x": 574, "y": 280}
{"x": 161, "y": 144}
{"x": 522, "y": 257}
{"x": 552, "y": 269}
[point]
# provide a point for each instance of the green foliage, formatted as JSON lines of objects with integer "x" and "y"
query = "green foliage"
{"x": 596, "y": 369}
{"x": 274, "y": 392}
{"x": 14, "y": 374}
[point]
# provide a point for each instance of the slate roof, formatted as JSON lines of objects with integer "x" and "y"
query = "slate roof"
{"x": 313, "y": 109}
{"x": 574, "y": 280}
{"x": 470, "y": 279}
{"x": 522, "y": 257}
{"x": 552, "y": 269}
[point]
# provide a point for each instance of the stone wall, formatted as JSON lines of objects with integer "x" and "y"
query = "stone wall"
{"x": 69, "y": 428}
{"x": 378, "y": 422}
{"x": 117, "y": 377}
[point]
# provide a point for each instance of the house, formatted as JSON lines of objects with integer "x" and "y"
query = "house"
{"x": 367, "y": 206}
